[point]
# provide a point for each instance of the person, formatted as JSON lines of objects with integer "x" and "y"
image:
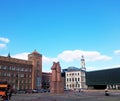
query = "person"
{"x": 106, "y": 92}
{"x": 9, "y": 92}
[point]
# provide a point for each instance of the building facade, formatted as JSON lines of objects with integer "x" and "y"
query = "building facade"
{"x": 22, "y": 74}
{"x": 101, "y": 79}
{"x": 36, "y": 59}
{"x": 16, "y": 72}
{"x": 75, "y": 79}
{"x": 46, "y": 78}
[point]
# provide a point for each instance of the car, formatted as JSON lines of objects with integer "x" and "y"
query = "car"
{"x": 21, "y": 91}
{"x": 34, "y": 91}
{"x": 28, "y": 91}
{"x": 40, "y": 91}
{"x": 14, "y": 91}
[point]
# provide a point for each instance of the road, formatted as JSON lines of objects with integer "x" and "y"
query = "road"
{"x": 69, "y": 96}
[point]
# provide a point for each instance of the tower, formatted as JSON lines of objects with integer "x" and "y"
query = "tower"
{"x": 83, "y": 63}
{"x": 36, "y": 59}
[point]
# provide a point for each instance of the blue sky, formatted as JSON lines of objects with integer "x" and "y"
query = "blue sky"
{"x": 62, "y": 30}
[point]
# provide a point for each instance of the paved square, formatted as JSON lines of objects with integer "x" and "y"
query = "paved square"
{"x": 69, "y": 96}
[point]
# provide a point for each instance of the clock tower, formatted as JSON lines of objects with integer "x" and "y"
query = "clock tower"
{"x": 83, "y": 63}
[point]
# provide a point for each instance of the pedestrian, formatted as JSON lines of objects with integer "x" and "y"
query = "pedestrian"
{"x": 9, "y": 92}
{"x": 106, "y": 92}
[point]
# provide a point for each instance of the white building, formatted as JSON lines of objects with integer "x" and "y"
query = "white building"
{"x": 75, "y": 78}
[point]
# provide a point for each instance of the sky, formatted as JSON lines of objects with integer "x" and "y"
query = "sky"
{"x": 62, "y": 30}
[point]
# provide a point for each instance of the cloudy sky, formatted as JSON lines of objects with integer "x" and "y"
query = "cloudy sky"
{"x": 62, "y": 30}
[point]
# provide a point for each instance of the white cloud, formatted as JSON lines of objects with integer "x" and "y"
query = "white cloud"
{"x": 102, "y": 67}
{"x": 21, "y": 56}
{"x": 2, "y": 46}
{"x": 115, "y": 66}
{"x": 49, "y": 60}
{"x": 69, "y": 56}
{"x": 5, "y": 40}
{"x": 3, "y": 43}
{"x": 117, "y": 52}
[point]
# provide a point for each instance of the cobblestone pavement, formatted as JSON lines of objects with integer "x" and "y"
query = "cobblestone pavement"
{"x": 69, "y": 96}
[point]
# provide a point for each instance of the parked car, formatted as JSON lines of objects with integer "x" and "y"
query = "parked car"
{"x": 21, "y": 91}
{"x": 14, "y": 91}
{"x": 28, "y": 91}
{"x": 40, "y": 91}
{"x": 34, "y": 91}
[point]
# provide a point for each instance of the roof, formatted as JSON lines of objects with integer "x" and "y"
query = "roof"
{"x": 35, "y": 52}
{"x": 72, "y": 68}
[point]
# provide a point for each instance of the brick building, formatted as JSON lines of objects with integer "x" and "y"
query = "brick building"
{"x": 46, "y": 78}
{"x": 22, "y": 74}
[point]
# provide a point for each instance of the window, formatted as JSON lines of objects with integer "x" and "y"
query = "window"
{"x": 8, "y": 68}
{"x": 67, "y": 79}
{"x": 29, "y": 81}
{"x": 8, "y": 74}
{"x": 30, "y": 69}
{"x": 22, "y": 69}
{"x": 75, "y": 79}
{"x": 72, "y": 79}
{"x": 29, "y": 76}
{"x": 82, "y": 79}
{"x": 5, "y": 74}
{"x": 13, "y": 68}
{"x": 22, "y": 75}
{"x": 4, "y": 67}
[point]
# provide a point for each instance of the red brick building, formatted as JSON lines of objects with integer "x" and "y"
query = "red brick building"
{"x": 22, "y": 74}
{"x": 46, "y": 78}
{"x": 36, "y": 60}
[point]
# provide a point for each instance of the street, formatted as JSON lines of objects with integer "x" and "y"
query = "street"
{"x": 69, "y": 96}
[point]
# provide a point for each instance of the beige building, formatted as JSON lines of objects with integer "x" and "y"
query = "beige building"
{"x": 75, "y": 78}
